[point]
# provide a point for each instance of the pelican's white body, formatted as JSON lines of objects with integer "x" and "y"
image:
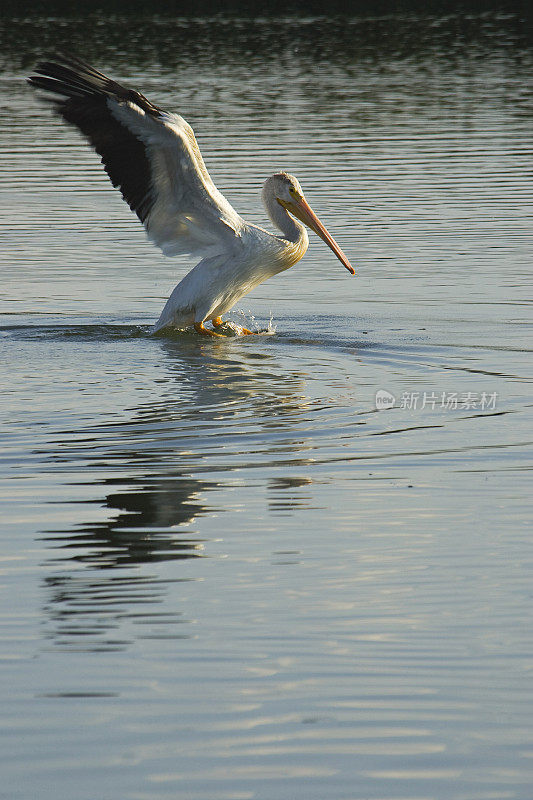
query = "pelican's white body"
{"x": 214, "y": 285}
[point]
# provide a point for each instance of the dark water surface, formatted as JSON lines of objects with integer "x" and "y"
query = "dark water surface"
{"x": 225, "y": 573}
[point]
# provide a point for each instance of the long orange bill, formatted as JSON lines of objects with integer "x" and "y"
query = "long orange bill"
{"x": 303, "y": 211}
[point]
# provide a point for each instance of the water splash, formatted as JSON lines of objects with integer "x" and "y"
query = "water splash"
{"x": 236, "y": 325}
{"x": 271, "y": 327}
{"x": 240, "y": 320}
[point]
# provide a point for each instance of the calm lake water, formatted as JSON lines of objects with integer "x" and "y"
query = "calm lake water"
{"x": 225, "y": 573}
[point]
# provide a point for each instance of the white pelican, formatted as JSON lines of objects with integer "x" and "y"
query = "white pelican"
{"x": 153, "y": 158}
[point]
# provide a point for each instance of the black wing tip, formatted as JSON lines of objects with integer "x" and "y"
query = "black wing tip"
{"x": 71, "y": 76}
{"x": 80, "y": 95}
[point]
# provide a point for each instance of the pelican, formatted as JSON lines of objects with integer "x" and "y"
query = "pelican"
{"x": 153, "y": 158}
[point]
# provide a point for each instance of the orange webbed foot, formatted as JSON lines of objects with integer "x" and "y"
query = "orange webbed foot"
{"x": 217, "y": 323}
{"x": 200, "y": 328}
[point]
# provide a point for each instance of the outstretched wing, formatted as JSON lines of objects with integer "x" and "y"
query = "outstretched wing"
{"x": 150, "y": 155}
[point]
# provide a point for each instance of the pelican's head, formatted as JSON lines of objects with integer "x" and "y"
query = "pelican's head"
{"x": 289, "y": 194}
{"x": 285, "y": 186}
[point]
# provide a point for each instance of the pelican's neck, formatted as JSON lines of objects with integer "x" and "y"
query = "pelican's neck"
{"x": 291, "y": 229}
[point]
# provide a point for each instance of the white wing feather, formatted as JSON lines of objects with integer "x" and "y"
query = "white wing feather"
{"x": 189, "y": 214}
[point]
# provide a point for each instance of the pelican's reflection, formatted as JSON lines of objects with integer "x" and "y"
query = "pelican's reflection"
{"x": 151, "y": 511}
{"x": 209, "y": 413}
